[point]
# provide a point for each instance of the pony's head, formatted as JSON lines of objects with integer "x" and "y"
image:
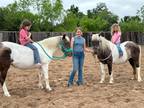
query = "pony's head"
{"x": 65, "y": 45}
{"x": 99, "y": 43}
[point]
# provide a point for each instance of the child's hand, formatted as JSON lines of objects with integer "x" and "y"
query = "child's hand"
{"x": 90, "y": 50}
{"x": 29, "y": 34}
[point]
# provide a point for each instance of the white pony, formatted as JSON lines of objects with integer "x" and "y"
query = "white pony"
{"x": 23, "y": 57}
{"x": 107, "y": 53}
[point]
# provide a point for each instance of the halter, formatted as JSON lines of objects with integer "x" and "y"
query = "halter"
{"x": 106, "y": 57}
{"x": 61, "y": 46}
{"x": 63, "y": 49}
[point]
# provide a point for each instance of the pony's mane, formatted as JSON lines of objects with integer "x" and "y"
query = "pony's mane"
{"x": 104, "y": 42}
{"x": 51, "y": 41}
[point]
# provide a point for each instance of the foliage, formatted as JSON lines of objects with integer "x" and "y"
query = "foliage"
{"x": 48, "y": 15}
{"x": 131, "y": 24}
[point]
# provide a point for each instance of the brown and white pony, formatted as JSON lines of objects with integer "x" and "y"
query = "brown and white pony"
{"x": 107, "y": 53}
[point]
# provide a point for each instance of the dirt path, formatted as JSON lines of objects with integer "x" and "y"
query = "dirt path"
{"x": 124, "y": 93}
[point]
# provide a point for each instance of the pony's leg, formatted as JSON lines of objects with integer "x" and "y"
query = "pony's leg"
{"x": 102, "y": 73}
{"x": 110, "y": 72}
{"x": 40, "y": 80}
{"x": 6, "y": 93}
{"x": 138, "y": 70}
{"x": 133, "y": 64}
{"x": 3, "y": 74}
{"x": 139, "y": 76}
{"x": 46, "y": 77}
{"x": 138, "y": 65}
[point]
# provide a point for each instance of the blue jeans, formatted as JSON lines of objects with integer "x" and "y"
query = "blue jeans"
{"x": 35, "y": 52}
{"x": 78, "y": 61}
{"x": 119, "y": 50}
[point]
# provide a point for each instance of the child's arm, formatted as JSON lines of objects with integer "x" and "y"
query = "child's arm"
{"x": 87, "y": 49}
{"x": 29, "y": 37}
{"x": 72, "y": 42}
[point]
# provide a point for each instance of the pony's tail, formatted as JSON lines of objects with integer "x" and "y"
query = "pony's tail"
{"x": 140, "y": 56}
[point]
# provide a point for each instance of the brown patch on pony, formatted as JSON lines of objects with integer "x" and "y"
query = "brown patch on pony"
{"x": 5, "y": 62}
{"x": 133, "y": 51}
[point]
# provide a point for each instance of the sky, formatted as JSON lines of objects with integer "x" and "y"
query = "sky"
{"x": 119, "y": 7}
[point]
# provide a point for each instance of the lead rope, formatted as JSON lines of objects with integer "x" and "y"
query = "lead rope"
{"x": 53, "y": 57}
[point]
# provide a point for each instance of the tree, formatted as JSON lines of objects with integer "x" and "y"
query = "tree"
{"x": 75, "y": 10}
{"x": 11, "y": 18}
{"x": 50, "y": 12}
{"x": 24, "y": 5}
{"x": 70, "y": 22}
{"x": 140, "y": 13}
{"x": 102, "y": 12}
{"x": 129, "y": 18}
{"x": 131, "y": 23}
{"x": 101, "y": 7}
{"x": 89, "y": 24}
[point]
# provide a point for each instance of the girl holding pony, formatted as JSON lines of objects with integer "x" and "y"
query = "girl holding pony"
{"x": 78, "y": 45}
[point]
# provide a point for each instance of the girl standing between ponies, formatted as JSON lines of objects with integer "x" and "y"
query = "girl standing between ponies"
{"x": 78, "y": 45}
{"x": 116, "y": 37}
{"x": 25, "y": 39}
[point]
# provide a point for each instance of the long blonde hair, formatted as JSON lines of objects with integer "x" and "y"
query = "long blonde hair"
{"x": 115, "y": 25}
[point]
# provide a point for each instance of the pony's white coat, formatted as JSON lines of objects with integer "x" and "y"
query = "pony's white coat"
{"x": 23, "y": 58}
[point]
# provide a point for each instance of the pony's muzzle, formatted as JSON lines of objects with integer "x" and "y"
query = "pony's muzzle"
{"x": 69, "y": 54}
{"x": 96, "y": 49}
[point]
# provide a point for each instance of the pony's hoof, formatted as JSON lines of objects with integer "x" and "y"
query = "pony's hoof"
{"x": 139, "y": 80}
{"x": 7, "y": 95}
{"x": 41, "y": 87}
{"x": 133, "y": 78}
{"x": 49, "y": 89}
{"x": 111, "y": 82}
{"x": 101, "y": 82}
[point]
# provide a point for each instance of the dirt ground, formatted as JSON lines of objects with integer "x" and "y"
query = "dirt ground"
{"x": 124, "y": 93}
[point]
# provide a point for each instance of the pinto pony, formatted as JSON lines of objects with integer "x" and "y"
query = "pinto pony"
{"x": 107, "y": 53}
{"x": 23, "y": 57}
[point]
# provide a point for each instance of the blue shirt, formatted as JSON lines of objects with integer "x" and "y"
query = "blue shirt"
{"x": 78, "y": 45}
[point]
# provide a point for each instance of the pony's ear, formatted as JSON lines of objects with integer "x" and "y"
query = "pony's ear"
{"x": 64, "y": 36}
{"x": 101, "y": 33}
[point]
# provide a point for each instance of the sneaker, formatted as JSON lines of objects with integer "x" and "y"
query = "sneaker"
{"x": 38, "y": 65}
{"x": 70, "y": 84}
{"x": 79, "y": 83}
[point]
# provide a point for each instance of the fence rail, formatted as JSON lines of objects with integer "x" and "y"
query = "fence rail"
{"x": 12, "y": 36}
